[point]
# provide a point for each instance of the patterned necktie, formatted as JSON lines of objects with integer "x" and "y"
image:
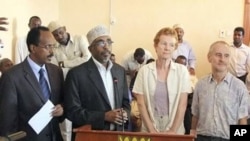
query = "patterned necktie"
{"x": 44, "y": 84}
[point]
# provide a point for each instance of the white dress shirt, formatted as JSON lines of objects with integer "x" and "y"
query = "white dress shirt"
{"x": 186, "y": 50}
{"x": 21, "y": 50}
{"x": 240, "y": 62}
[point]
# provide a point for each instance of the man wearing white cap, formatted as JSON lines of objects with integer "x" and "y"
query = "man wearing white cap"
{"x": 71, "y": 50}
{"x": 185, "y": 49}
{"x": 96, "y": 92}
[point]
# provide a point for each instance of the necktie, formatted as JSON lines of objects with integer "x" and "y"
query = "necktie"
{"x": 44, "y": 84}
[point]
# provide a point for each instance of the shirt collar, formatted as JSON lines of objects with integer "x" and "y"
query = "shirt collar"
{"x": 226, "y": 79}
{"x": 242, "y": 46}
{"x": 70, "y": 41}
{"x": 152, "y": 65}
{"x": 34, "y": 66}
{"x": 100, "y": 66}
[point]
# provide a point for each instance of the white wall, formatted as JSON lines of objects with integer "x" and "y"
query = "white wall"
{"x": 18, "y": 13}
{"x": 137, "y": 21}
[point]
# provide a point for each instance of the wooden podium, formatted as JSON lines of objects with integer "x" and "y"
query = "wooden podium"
{"x": 85, "y": 133}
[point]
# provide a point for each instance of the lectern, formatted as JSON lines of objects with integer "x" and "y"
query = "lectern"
{"x": 85, "y": 133}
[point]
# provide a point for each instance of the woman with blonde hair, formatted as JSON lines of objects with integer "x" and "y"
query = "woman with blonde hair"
{"x": 161, "y": 88}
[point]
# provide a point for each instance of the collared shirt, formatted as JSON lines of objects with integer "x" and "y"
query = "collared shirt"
{"x": 186, "y": 50}
{"x": 21, "y": 50}
{"x": 71, "y": 53}
{"x": 178, "y": 82}
{"x": 218, "y": 105}
{"x": 129, "y": 62}
{"x": 36, "y": 68}
{"x": 107, "y": 80}
{"x": 240, "y": 62}
{"x": 108, "y": 83}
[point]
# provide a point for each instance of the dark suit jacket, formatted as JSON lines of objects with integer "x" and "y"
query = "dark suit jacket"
{"x": 86, "y": 100}
{"x": 21, "y": 97}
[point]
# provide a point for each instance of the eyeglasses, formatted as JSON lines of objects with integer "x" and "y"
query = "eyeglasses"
{"x": 50, "y": 46}
{"x": 165, "y": 44}
{"x": 102, "y": 43}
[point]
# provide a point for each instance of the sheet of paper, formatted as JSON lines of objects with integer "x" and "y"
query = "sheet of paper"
{"x": 42, "y": 117}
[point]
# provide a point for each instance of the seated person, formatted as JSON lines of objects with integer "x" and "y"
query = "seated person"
{"x": 112, "y": 57}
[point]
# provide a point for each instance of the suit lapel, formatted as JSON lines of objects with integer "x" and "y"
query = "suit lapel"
{"x": 31, "y": 78}
{"x": 51, "y": 82}
{"x": 96, "y": 79}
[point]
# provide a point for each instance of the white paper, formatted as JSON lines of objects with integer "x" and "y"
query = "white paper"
{"x": 42, "y": 117}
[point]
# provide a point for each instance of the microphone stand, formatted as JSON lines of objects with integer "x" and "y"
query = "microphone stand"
{"x": 117, "y": 100}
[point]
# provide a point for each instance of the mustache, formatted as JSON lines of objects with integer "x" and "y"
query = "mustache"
{"x": 222, "y": 63}
{"x": 104, "y": 52}
{"x": 51, "y": 55}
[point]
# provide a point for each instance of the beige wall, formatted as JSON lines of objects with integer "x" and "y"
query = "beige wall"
{"x": 18, "y": 13}
{"x": 136, "y": 21}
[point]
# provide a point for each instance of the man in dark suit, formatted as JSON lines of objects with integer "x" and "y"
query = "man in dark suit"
{"x": 21, "y": 95}
{"x": 96, "y": 92}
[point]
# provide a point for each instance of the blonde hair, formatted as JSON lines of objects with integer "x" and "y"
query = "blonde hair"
{"x": 165, "y": 31}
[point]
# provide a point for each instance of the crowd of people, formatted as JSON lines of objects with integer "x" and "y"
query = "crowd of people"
{"x": 79, "y": 75}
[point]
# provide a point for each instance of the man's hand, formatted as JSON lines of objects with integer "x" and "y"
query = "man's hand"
{"x": 193, "y": 132}
{"x": 170, "y": 132}
{"x": 116, "y": 116}
{"x": 57, "y": 110}
{"x": 132, "y": 73}
{"x": 3, "y": 21}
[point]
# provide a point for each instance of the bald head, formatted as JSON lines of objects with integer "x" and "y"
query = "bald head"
{"x": 218, "y": 56}
{"x": 5, "y": 64}
{"x": 216, "y": 45}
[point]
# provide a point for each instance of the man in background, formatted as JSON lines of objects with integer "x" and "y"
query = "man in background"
{"x": 5, "y": 64}
{"x": 240, "y": 58}
{"x": 21, "y": 49}
{"x": 71, "y": 50}
{"x": 112, "y": 57}
{"x": 134, "y": 60}
{"x": 185, "y": 49}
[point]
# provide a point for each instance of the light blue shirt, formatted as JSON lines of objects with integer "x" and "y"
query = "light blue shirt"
{"x": 36, "y": 68}
{"x": 219, "y": 105}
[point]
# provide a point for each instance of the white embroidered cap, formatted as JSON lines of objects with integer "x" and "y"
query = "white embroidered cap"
{"x": 177, "y": 26}
{"x": 54, "y": 25}
{"x": 96, "y": 32}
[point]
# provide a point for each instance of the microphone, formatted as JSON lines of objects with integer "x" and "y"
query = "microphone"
{"x": 14, "y": 137}
{"x": 117, "y": 98}
{"x": 116, "y": 92}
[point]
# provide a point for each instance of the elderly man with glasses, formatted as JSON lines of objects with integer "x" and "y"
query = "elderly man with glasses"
{"x": 96, "y": 92}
